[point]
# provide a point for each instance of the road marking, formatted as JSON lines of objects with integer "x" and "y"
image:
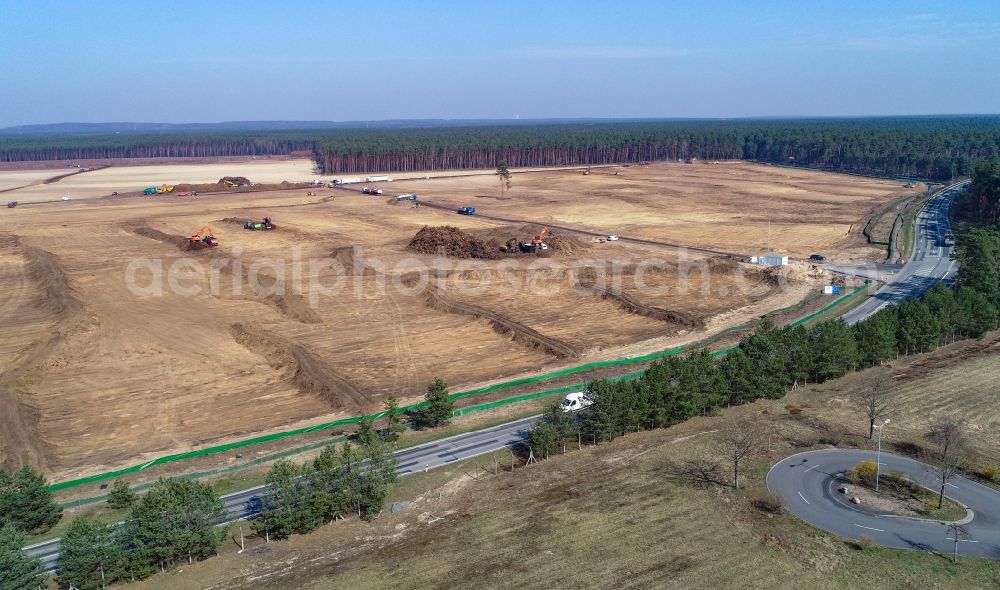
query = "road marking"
{"x": 813, "y": 467}
{"x": 869, "y": 528}
{"x": 804, "y": 498}
{"x": 951, "y": 484}
{"x": 962, "y": 540}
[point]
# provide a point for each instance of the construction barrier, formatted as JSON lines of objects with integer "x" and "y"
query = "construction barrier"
{"x": 467, "y": 410}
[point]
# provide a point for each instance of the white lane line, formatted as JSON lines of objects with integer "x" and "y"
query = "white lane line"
{"x": 962, "y": 540}
{"x": 804, "y": 498}
{"x": 952, "y": 485}
{"x": 869, "y": 528}
{"x": 813, "y": 467}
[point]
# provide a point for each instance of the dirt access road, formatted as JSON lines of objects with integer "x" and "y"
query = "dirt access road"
{"x": 98, "y": 374}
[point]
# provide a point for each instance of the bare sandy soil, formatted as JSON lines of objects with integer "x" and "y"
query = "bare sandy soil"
{"x": 104, "y": 365}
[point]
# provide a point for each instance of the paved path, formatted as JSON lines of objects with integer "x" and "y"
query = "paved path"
{"x": 410, "y": 460}
{"x": 808, "y": 482}
{"x": 930, "y": 264}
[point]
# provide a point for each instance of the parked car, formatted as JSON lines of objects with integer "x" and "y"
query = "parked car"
{"x": 817, "y": 258}
{"x": 575, "y": 401}
{"x": 612, "y": 238}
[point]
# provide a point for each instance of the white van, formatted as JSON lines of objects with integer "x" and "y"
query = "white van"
{"x": 576, "y": 400}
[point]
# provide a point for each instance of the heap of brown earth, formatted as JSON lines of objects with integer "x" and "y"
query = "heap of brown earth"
{"x": 451, "y": 241}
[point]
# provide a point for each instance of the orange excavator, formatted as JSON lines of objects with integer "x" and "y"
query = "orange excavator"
{"x": 537, "y": 240}
{"x": 205, "y": 236}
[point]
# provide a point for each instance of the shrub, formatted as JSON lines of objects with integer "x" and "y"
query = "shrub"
{"x": 863, "y": 473}
{"x": 864, "y": 542}
{"x": 989, "y": 472}
{"x": 768, "y": 503}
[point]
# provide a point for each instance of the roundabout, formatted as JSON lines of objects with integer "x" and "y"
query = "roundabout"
{"x": 808, "y": 484}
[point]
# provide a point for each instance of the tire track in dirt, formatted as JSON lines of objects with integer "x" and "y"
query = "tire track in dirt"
{"x": 303, "y": 367}
{"x": 288, "y": 301}
{"x": 19, "y": 420}
{"x": 437, "y": 299}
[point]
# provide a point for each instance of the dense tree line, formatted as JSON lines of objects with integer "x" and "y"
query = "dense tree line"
{"x": 341, "y": 481}
{"x": 152, "y": 145}
{"x": 980, "y": 205}
{"x": 771, "y": 360}
{"x": 938, "y": 148}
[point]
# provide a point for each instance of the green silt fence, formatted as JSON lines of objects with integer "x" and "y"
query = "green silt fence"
{"x": 213, "y": 450}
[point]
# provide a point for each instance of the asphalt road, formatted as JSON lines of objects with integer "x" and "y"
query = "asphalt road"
{"x": 410, "y": 460}
{"x": 931, "y": 261}
{"x": 808, "y": 483}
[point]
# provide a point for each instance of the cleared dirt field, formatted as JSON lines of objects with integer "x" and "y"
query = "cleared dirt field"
{"x": 122, "y": 342}
{"x": 726, "y": 206}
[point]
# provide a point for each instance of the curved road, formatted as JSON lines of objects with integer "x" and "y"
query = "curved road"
{"x": 808, "y": 483}
{"x": 931, "y": 261}
{"x": 410, "y": 460}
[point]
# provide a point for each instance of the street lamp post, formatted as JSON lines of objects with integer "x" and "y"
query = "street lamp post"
{"x": 878, "y": 453}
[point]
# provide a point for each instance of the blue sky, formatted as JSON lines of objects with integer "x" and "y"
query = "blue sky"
{"x": 180, "y": 61}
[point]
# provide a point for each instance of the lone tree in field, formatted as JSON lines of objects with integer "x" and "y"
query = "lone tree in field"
{"x": 740, "y": 441}
{"x": 958, "y": 533}
{"x": 952, "y": 454}
{"x": 504, "y": 175}
{"x": 439, "y": 405}
{"x": 876, "y": 399}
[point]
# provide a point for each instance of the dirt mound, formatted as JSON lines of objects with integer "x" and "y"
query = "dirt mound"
{"x": 722, "y": 265}
{"x": 632, "y": 305}
{"x": 238, "y": 220}
{"x": 451, "y": 241}
{"x": 566, "y": 244}
{"x": 516, "y": 331}
{"x": 786, "y": 275}
{"x": 237, "y": 180}
{"x": 309, "y": 373}
{"x": 182, "y": 243}
{"x": 18, "y": 421}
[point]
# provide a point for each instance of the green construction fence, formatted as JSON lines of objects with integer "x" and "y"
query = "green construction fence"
{"x": 467, "y": 410}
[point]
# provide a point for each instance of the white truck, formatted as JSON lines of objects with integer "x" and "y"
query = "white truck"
{"x": 576, "y": 400}
{"x": 378, "y": 179}
{"x": 347, "y": 180}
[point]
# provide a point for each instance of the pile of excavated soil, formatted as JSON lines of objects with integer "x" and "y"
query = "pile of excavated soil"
{"x": 452, "y": 241}
{"x": 566, "y": 244}
{"x": 182, "y": 243}
{"x": 238, "y": 180}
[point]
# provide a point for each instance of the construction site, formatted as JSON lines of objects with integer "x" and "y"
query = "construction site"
{"x": 137, "y": 325}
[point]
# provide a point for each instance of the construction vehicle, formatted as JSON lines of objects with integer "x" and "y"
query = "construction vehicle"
{"x": 205, "y": 236}
{"x": 230, "y": 183}
{"x": 587, "y": 171}
{"x": 370, "y": 190}
{"x": 378, "y": 179}
{"x": 408, "y": 197}
{"x": 466, "y": 210}
{"x": 11, "y": 204}
{"x": 149, "y": 190}
{"x": 537, "y": 240}
{"x": 165, "y": 188}
{"x": 510, "y": 247}
{"x": 259, "y": 225}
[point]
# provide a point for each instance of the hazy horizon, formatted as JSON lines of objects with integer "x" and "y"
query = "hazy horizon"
{"x": 187, "y": 63}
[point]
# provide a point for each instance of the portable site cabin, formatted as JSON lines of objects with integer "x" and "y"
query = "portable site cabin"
{"x": 773, "y": 259}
